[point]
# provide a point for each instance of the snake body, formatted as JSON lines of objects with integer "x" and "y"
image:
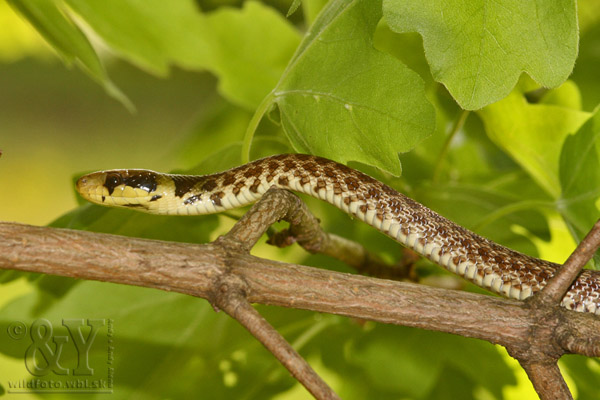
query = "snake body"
{"x": 482, "y": 261}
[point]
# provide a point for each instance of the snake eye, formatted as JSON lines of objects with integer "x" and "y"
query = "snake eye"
{"x": 112, "y": 181}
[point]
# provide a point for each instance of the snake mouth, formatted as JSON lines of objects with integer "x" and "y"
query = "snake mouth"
{"x": 91, "y": 187}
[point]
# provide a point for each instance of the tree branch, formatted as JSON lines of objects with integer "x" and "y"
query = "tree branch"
{"x": 277, "y": 205}
{"x": 547, "y": 379}
{"x": 233, "y": 301}
{"x": 556, "y": 288}
{"x": 224, "y": 273}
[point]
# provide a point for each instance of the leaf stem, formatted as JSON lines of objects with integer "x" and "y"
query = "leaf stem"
{"x": 253, "y": 126}
{"x": 458, "y": 124}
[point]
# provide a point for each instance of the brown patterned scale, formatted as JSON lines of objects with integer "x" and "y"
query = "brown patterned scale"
{"x": 485, "y": 263}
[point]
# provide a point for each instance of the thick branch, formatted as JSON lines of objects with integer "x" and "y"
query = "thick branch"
{"x": 193, "y": 269}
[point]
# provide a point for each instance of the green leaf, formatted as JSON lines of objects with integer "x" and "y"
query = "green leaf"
{"x": 67, "y": 39}
{"x": 585, "y": 73}
{"x": 580, "y": 178}
{"x": 251, "y": 49}
{"x": 342, "y": 99}
{"x": 162, "y": 342}
{"x": 585, "y": 372}
{"x": 155, "y": 34}
{"x": 419, "y": 357}
{"x": 293, "y": 7}
{"x": 478, "y": 49}
{"x": 152, "y": 33}
{"x": 532, "y": 134}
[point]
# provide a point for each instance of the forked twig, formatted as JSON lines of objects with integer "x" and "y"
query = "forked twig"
{"x": 233, "y": 301}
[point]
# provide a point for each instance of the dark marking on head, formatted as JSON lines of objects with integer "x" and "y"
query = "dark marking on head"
{"x": 112, "y": 180}
{"x": 134, "y": 205}
{"x": 209, "y": 185}
{"x": 103, "y": 198}
{"x": 137, "y": 179}
{"x": 156, "y": 197}
{"x": 183, "y": 184}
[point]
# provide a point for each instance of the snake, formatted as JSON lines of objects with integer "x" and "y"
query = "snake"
{"x": 487, "y": 264}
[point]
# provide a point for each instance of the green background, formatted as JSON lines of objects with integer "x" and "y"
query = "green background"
{"x": 195, "y": 89}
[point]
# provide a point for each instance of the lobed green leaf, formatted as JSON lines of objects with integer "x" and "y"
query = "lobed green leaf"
{"x": 478, "y": 49}
{"x": 155, "y": 35}
{"x": 532, "y": 134}
{"x": 342, "y": 99}
{"x": 580, "y": 178}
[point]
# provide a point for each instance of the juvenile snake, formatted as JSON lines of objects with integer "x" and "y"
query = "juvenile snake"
{"x": 485, "y": 263}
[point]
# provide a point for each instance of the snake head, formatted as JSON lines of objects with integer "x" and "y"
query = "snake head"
{"x": 124, "y": 188}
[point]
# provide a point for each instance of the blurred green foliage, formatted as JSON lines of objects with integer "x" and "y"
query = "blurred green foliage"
{"x": 334, "y": 79}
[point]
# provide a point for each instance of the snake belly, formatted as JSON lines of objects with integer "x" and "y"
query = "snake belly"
{"x": 477, "y": 259}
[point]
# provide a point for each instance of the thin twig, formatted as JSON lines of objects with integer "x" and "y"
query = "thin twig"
{"x": 233, "y": 301}
{"x": 556, "y": 288}
{"x": 279, "y": 204}
{"x": 547, "y": 380}
{"x": 456, "y": 127}
{"x": 273, "y": 206}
